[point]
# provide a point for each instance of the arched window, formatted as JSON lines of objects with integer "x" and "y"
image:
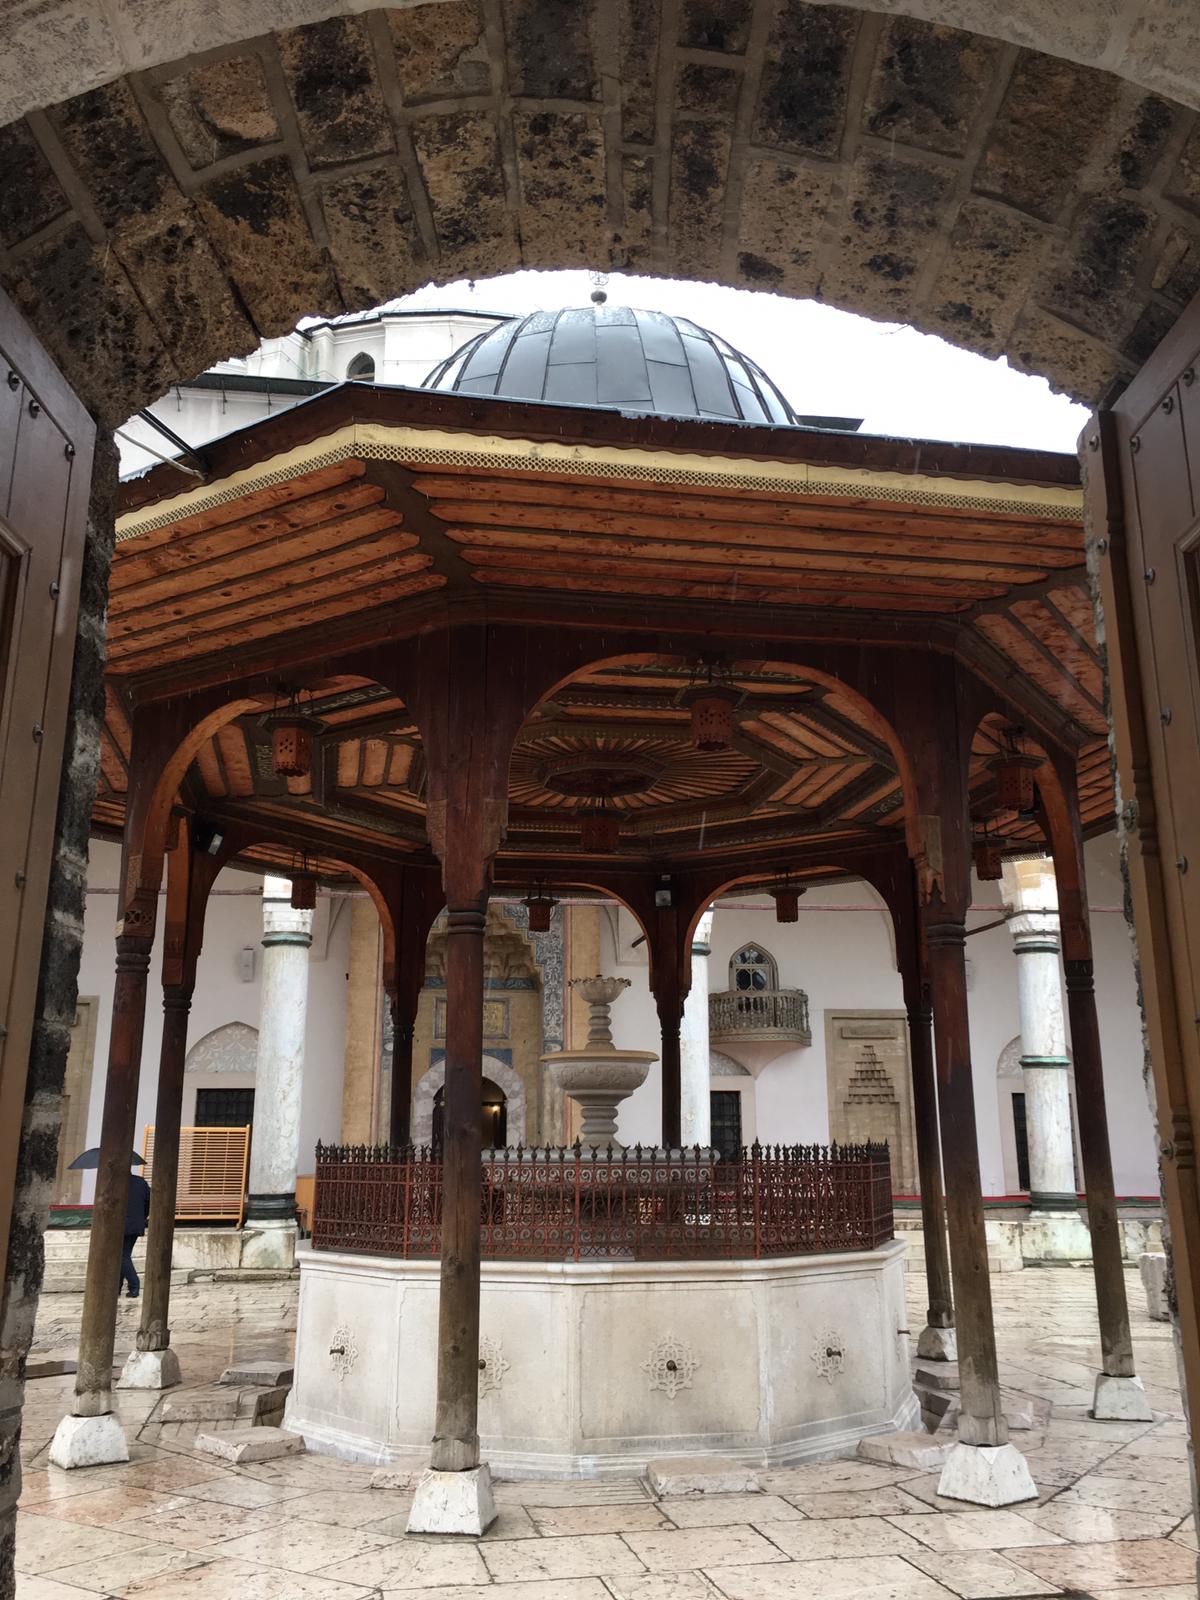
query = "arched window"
{"x": 752, "y": 970}
{"x": 362, "y": 368}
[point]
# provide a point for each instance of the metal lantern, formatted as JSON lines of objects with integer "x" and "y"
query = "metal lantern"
{"x": 292, "y": 732}
{"x": 539, "y": 903}
{"x": 304, "y": 891}
{"x": 1014, "y": 781}
{"x": 989, "y": 861}
{"x": 787, "y": 902}
{"x": 599, "y": 832}
{"x": 712, "y": 699}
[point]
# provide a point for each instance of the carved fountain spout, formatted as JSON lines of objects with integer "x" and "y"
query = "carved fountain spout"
{"x": 599, "y": 1076}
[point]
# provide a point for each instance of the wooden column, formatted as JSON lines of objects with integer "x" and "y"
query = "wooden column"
{"x": 191, "y": 874}
{"x": 981, "y": 1421}
{"x": 414, "y": 901}
{"x": 400, "y": 1105}
{"x": 670, "y": 977}
{"x": 932, "y": 1343}
{"x": 934, "y": 716}
{"x": 1119, "y": 1394}
{"x": 455, "y": 1434}
{"x": 154, "y": 1332}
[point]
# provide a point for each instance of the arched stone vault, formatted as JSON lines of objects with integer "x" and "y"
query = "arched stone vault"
{"x": 1010, "y": 201}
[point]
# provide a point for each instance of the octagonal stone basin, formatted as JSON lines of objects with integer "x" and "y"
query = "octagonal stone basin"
{"x": 597, "y": 1081}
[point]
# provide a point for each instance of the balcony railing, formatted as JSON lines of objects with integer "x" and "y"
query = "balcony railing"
{"x": 632, "y": 1205}
{"x": 771, "y": 1014}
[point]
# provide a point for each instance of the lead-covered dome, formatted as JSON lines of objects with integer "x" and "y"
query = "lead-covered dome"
{"x": 602, "y": 355}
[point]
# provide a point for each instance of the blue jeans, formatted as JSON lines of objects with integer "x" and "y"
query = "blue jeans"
{"x": 128, "y": 1270}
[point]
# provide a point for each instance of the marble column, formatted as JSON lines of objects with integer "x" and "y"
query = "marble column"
{"x": 694, "y": 1062}
{"x": 1044, "y": 1060}
{"x": 275, "y": 1149}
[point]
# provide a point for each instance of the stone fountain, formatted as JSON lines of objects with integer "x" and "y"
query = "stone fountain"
{"x": 599, "y": 1076}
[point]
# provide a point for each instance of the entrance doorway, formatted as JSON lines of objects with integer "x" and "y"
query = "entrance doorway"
{"x": 493, "y": 1116}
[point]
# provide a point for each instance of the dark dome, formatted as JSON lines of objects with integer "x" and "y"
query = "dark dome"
{"x": 602, "y": 355}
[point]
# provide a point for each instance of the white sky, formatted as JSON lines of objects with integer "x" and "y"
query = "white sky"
{"x": 827, "y": 362}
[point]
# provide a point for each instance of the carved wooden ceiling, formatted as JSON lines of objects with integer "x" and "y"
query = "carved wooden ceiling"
{"x": 319, "y": 529}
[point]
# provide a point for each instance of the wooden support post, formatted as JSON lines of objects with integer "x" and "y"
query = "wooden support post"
{"x": 670, "y": 979}
{"x": 937, "y": 1341}
{"x": 455, "y": 1435}
{"x": 400, "y": 1105}
{"x": 154, "y": 1333}
{"x": 1119, "y": 1394}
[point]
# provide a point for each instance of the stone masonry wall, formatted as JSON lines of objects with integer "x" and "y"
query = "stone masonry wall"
{"x": 1011, "y": 201}
{"x": 37, "y": 1158}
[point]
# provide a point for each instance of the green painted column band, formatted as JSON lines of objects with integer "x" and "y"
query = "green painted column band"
{"x": 1059, "y": 1063}
{"x": 272, "y": 939}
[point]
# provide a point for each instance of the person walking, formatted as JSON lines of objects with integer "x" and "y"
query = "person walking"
{"x": 137, "y": 1211}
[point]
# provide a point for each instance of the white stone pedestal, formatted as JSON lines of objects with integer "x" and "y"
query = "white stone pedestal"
{"x": 88, "y": 1442}
{"x": 453, "y": 1502}
{"x": 937, "y": 1344}
{"x": 1120, "y": 1400}
{"x": 271, "y": 1246}
{"x": 987, "y": 1475}
{"x": 150, "y": 1369}
{"x": 695, "y": 1068}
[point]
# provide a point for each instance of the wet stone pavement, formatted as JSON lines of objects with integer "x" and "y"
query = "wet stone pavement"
{"x": 1112, "y": 1517}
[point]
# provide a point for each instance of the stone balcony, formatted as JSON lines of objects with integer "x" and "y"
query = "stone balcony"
{"x": 779, "y": 1016}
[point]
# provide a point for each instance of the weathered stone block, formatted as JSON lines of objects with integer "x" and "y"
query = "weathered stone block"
{"x": 440, "y": 50}
{"x": 711, "y": 90}
{"x": 264, "y": 1374}
{"x": 550, "y": 49}
{"x": 699, "y": 168}
{"x": 1106, "y": 250}
{"x": 715, "y": 25}
{"x": 110, "y": 147}
{"x": 250, "y": 1444}
{"x": 330, "y": 71}
{"x": 257, "y": 222}
{"x": 453, "y": 1502}
{"x": 985, "y": 278}
{"x": 1082, "y": 367}
{"x": 634, "y": 242}
{"x": 564, "y": 205}
{"x": 219, "y": 109}
{"x": 637, "y": 37}
{"x": 802, "y": 99}
{"x": 680, "y": 1475}
{"x": 783, "y": 207}
{"x": 1177, "y": 274}
{"x": 1153, "y": 1268}
{"x": 927, "y": 84}
{"x": 916, "y": 1450}
{"x": 895, "y": 210}
{"x": 373, "y": 234}
{"x": 37, "y": 199}
{"x": 1053, "y": 114}
{"x": 460, "y": 163}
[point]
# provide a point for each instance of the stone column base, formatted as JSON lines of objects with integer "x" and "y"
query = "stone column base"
{"x": 937, "y": 1344}
{"x": 270, "y": 1245}
{"x": 1120, "y": 1400}
{"x": 150, "y": 1369}
{"x": 987, "y": 1475}
{"x": 88, "y": 1442}
{"x": 453, "y": 1502}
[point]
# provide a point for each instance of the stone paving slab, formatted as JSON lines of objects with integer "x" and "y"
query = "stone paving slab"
{"x": 1112, "y": 1517}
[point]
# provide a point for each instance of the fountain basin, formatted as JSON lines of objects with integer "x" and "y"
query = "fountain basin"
{"x": 598, "y": 1081}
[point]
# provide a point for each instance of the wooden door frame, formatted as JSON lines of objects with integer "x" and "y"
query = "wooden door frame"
{"x": 43, "y": 397}
{"x": 1114, "y": 555}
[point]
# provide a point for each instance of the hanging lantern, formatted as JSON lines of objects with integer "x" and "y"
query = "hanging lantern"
{"x": 599, "y": 832}
{"x": 292, "y": 732}
{"x": 712, "y": 699}
{"x": 539, "y": 903}
{"x": 1014, "y": 780}
{"x": 989, "y": 860}
{"x": 304, "y": 891}
{"x": 787, "y": 902}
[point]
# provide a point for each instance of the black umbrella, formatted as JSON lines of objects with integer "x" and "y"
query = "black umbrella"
{"x": 90, "y": 1160}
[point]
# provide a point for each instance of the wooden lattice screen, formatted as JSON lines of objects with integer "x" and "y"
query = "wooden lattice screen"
{"x": 212, "y": 1173}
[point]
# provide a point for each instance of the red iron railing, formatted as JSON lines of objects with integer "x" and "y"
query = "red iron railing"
{"x": 642, "y": 1205}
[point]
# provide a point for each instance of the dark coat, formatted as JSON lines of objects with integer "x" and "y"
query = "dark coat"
{"x": 137, "y": 1206}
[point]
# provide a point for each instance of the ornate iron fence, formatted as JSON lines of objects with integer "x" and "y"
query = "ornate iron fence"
{"x": 642, "y": 1205}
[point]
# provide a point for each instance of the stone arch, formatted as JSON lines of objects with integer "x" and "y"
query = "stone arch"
{"x": 231, "y": 1048}
{"x": 181, "y": 234}
{"x": 498, "y": 1071}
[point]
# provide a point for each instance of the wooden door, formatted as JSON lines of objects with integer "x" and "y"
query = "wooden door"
{"x": 46, "y": 442}
{"x": 1142, "y": 462}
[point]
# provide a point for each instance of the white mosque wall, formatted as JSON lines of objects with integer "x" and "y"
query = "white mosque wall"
{"x": 233, "y": 924}
{"x": 839, "y": 952}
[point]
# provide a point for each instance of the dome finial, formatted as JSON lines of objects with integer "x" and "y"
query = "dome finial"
{"x": 599, "y": 292}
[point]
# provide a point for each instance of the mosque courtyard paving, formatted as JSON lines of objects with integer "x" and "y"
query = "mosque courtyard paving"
{"x": 1112, "y": 1517}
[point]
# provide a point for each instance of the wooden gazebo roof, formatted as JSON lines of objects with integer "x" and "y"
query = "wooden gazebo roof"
{"x": 368, "y": 514}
